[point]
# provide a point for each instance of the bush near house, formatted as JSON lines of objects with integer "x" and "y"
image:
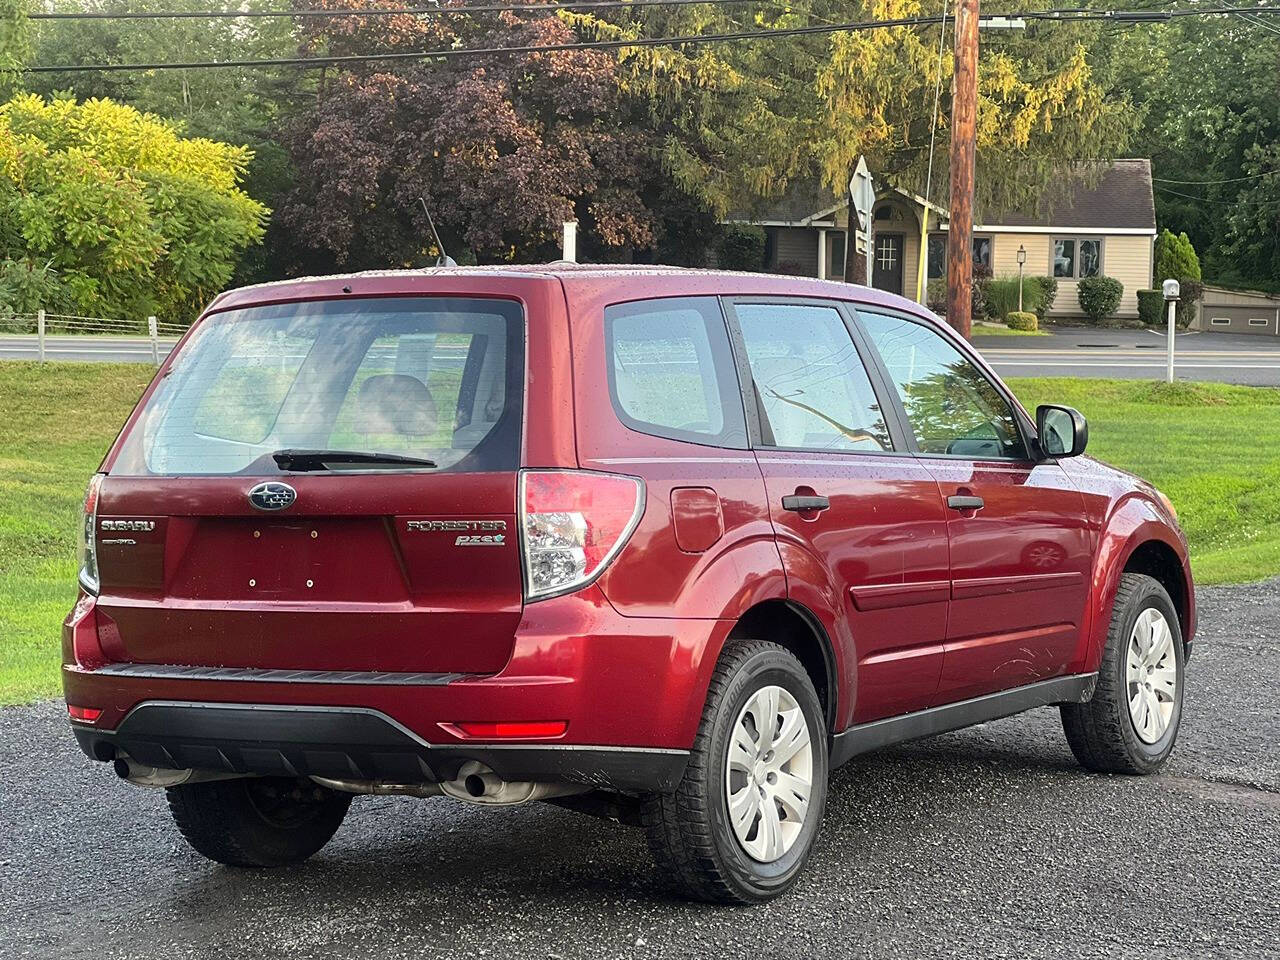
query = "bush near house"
{"x": 1176, "y": 259}
{"x": 1151, "y": 308}
{"x": 1048, "y": 290}
{"x": 1021, "y": 320}
{"x": 936, "y": 296}
{"x": 1099, "y": 298}
{"x": 742, "y": 248}
{"x": 978, "y": 290}
{"x": 1002, "y": 296}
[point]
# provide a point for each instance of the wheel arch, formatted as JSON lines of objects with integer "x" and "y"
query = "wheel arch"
{"x": 793, "y": 626}
{"x": 1158, "y": 560}
{"x": 1138, "y": 539}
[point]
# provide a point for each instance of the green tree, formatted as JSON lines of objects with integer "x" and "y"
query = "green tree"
{"x": 739, "y": 121}
{"x": 1176, "y": 259}
{"x": 15, "y": 44}
{"x": 115, "y": 212}
{"x": 1209, "y": 88}
{"x": 246, "y": 106}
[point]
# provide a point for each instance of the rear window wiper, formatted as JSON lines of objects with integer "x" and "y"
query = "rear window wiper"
{"x": 320, "y": 459}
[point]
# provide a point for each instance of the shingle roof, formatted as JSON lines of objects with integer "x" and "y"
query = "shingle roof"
{"x": 1121, "y": 199}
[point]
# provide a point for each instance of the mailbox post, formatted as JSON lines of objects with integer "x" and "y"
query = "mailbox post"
{"x": 1171, "y": 293}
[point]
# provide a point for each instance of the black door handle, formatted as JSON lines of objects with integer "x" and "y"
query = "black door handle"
{"x": 960, "y": 502}
{"x": 800, "y": 504}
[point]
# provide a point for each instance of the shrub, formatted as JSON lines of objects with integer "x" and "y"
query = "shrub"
{"x": 1047, "y": 289}
{"x": 978, "y": 292}
{"x": 742, "y": 247}
{"x": 1151, "y": 307}
{"x": 1176, "y": 258}
{"x": 1189, "y": 295}
{"x": 1002, "y": 296}
{"x": 1099, "y": 297}
{"x": 1021, "y": 320}
{"x": 935, "y": 296}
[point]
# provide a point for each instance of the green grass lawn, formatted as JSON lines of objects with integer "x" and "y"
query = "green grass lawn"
{"x": 1000, "y": 330}
{"x": 1215, "y": 450}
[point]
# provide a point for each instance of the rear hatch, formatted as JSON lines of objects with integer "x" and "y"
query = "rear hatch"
{"x": 325, "y": 485}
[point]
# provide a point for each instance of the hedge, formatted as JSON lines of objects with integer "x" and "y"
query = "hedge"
{"x": 1021, "y": 320}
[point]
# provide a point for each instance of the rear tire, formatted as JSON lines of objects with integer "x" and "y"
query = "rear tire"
{"x": 257, "y": 821}
{"x": 1131, "y": 723}
{"x": 735, "y": 764}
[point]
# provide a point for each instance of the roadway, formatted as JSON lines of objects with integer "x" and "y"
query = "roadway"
{"x": 1135, "y": 355}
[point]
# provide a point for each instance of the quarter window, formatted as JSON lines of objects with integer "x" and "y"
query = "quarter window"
{"x": 813, "y": 390}
{"x": 952, "y": 407}
{"x": 671, "y": 371}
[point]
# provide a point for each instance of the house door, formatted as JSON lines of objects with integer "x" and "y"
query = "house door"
{"x": 887, "y": 274}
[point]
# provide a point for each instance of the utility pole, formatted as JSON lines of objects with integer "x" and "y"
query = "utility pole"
{"x": 964, "y": 126}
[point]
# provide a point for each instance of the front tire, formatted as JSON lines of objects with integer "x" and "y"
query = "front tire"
{"x": 1131, "y": 723}
{"x": 743, "y": 820}
{"x": 257, "y": 821}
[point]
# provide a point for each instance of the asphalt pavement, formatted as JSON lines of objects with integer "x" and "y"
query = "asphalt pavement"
{"x": 989, "y": 842}
{"x": 1135, "y": 355}
{"x": 85, "y": 349}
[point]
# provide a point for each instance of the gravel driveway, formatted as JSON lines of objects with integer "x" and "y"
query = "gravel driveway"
{"x": 989, "y": 842}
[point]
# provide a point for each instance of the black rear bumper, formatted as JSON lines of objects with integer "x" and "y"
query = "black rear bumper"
{"x": 355, "y": 744}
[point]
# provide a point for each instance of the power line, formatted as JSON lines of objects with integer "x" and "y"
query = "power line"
{"x": 1141, "y": 13}
{"x": 433, "y": 11}
{"x": 1264, "y": 202}
{"x": 1059, "y": 15}
{"x": 1213, "y": 183}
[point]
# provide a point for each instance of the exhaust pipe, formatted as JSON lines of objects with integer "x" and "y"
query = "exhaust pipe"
{"x": 474, "y": 783}
{"x": 142, "y": 775}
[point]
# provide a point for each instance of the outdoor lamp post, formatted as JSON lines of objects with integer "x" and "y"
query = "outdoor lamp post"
{"x": 1171, "y": 294}
{"x": 1022, "y": 259}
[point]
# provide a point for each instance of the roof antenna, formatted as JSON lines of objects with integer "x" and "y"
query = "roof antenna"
{"x": 444, "y": 260}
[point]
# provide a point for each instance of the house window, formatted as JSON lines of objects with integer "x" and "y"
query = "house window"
{"x": 982, "y": 252}
{"x": 937, "y": 256}
{"x": 1077, "y": 257}
{"x": 937, "y": 252}
{"x": 835, "y": 248}
{"x": 1220, "y": 321}
{"x": 1258, "y": 321}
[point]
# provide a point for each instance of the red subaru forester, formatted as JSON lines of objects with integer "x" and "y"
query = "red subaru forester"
{"x": 660, "y": 544}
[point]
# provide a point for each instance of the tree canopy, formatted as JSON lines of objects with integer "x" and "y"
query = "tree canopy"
{"x": 739, "y": 121}
{"x": 1210, "y": 90}
{"x": 111, "y": 212}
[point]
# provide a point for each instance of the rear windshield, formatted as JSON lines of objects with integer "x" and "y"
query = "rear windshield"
{"x": 430, "y": 378}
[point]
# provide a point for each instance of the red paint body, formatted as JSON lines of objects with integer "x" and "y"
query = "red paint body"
{"x": 917, "y": 604}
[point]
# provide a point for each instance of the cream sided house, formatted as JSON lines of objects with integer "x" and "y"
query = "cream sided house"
{"x": 1104, "y": 223}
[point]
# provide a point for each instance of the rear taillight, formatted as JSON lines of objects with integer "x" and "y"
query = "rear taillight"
{"x": 572, "y": 524}
{"x": 88, "y": 550}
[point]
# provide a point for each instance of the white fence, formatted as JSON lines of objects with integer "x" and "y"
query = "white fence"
{"x": 43, "y": 327}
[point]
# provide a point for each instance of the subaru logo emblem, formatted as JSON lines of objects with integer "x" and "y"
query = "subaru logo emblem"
{"x": 272, "y": 495}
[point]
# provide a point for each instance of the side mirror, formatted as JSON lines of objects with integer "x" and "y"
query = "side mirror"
{"x": 1063, "y": 431}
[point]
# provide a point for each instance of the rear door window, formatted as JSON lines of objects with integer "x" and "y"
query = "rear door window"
{"x": 813, "y": 390}
{"x": 671, "y": 371}
{"x": 438, "y": 379}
